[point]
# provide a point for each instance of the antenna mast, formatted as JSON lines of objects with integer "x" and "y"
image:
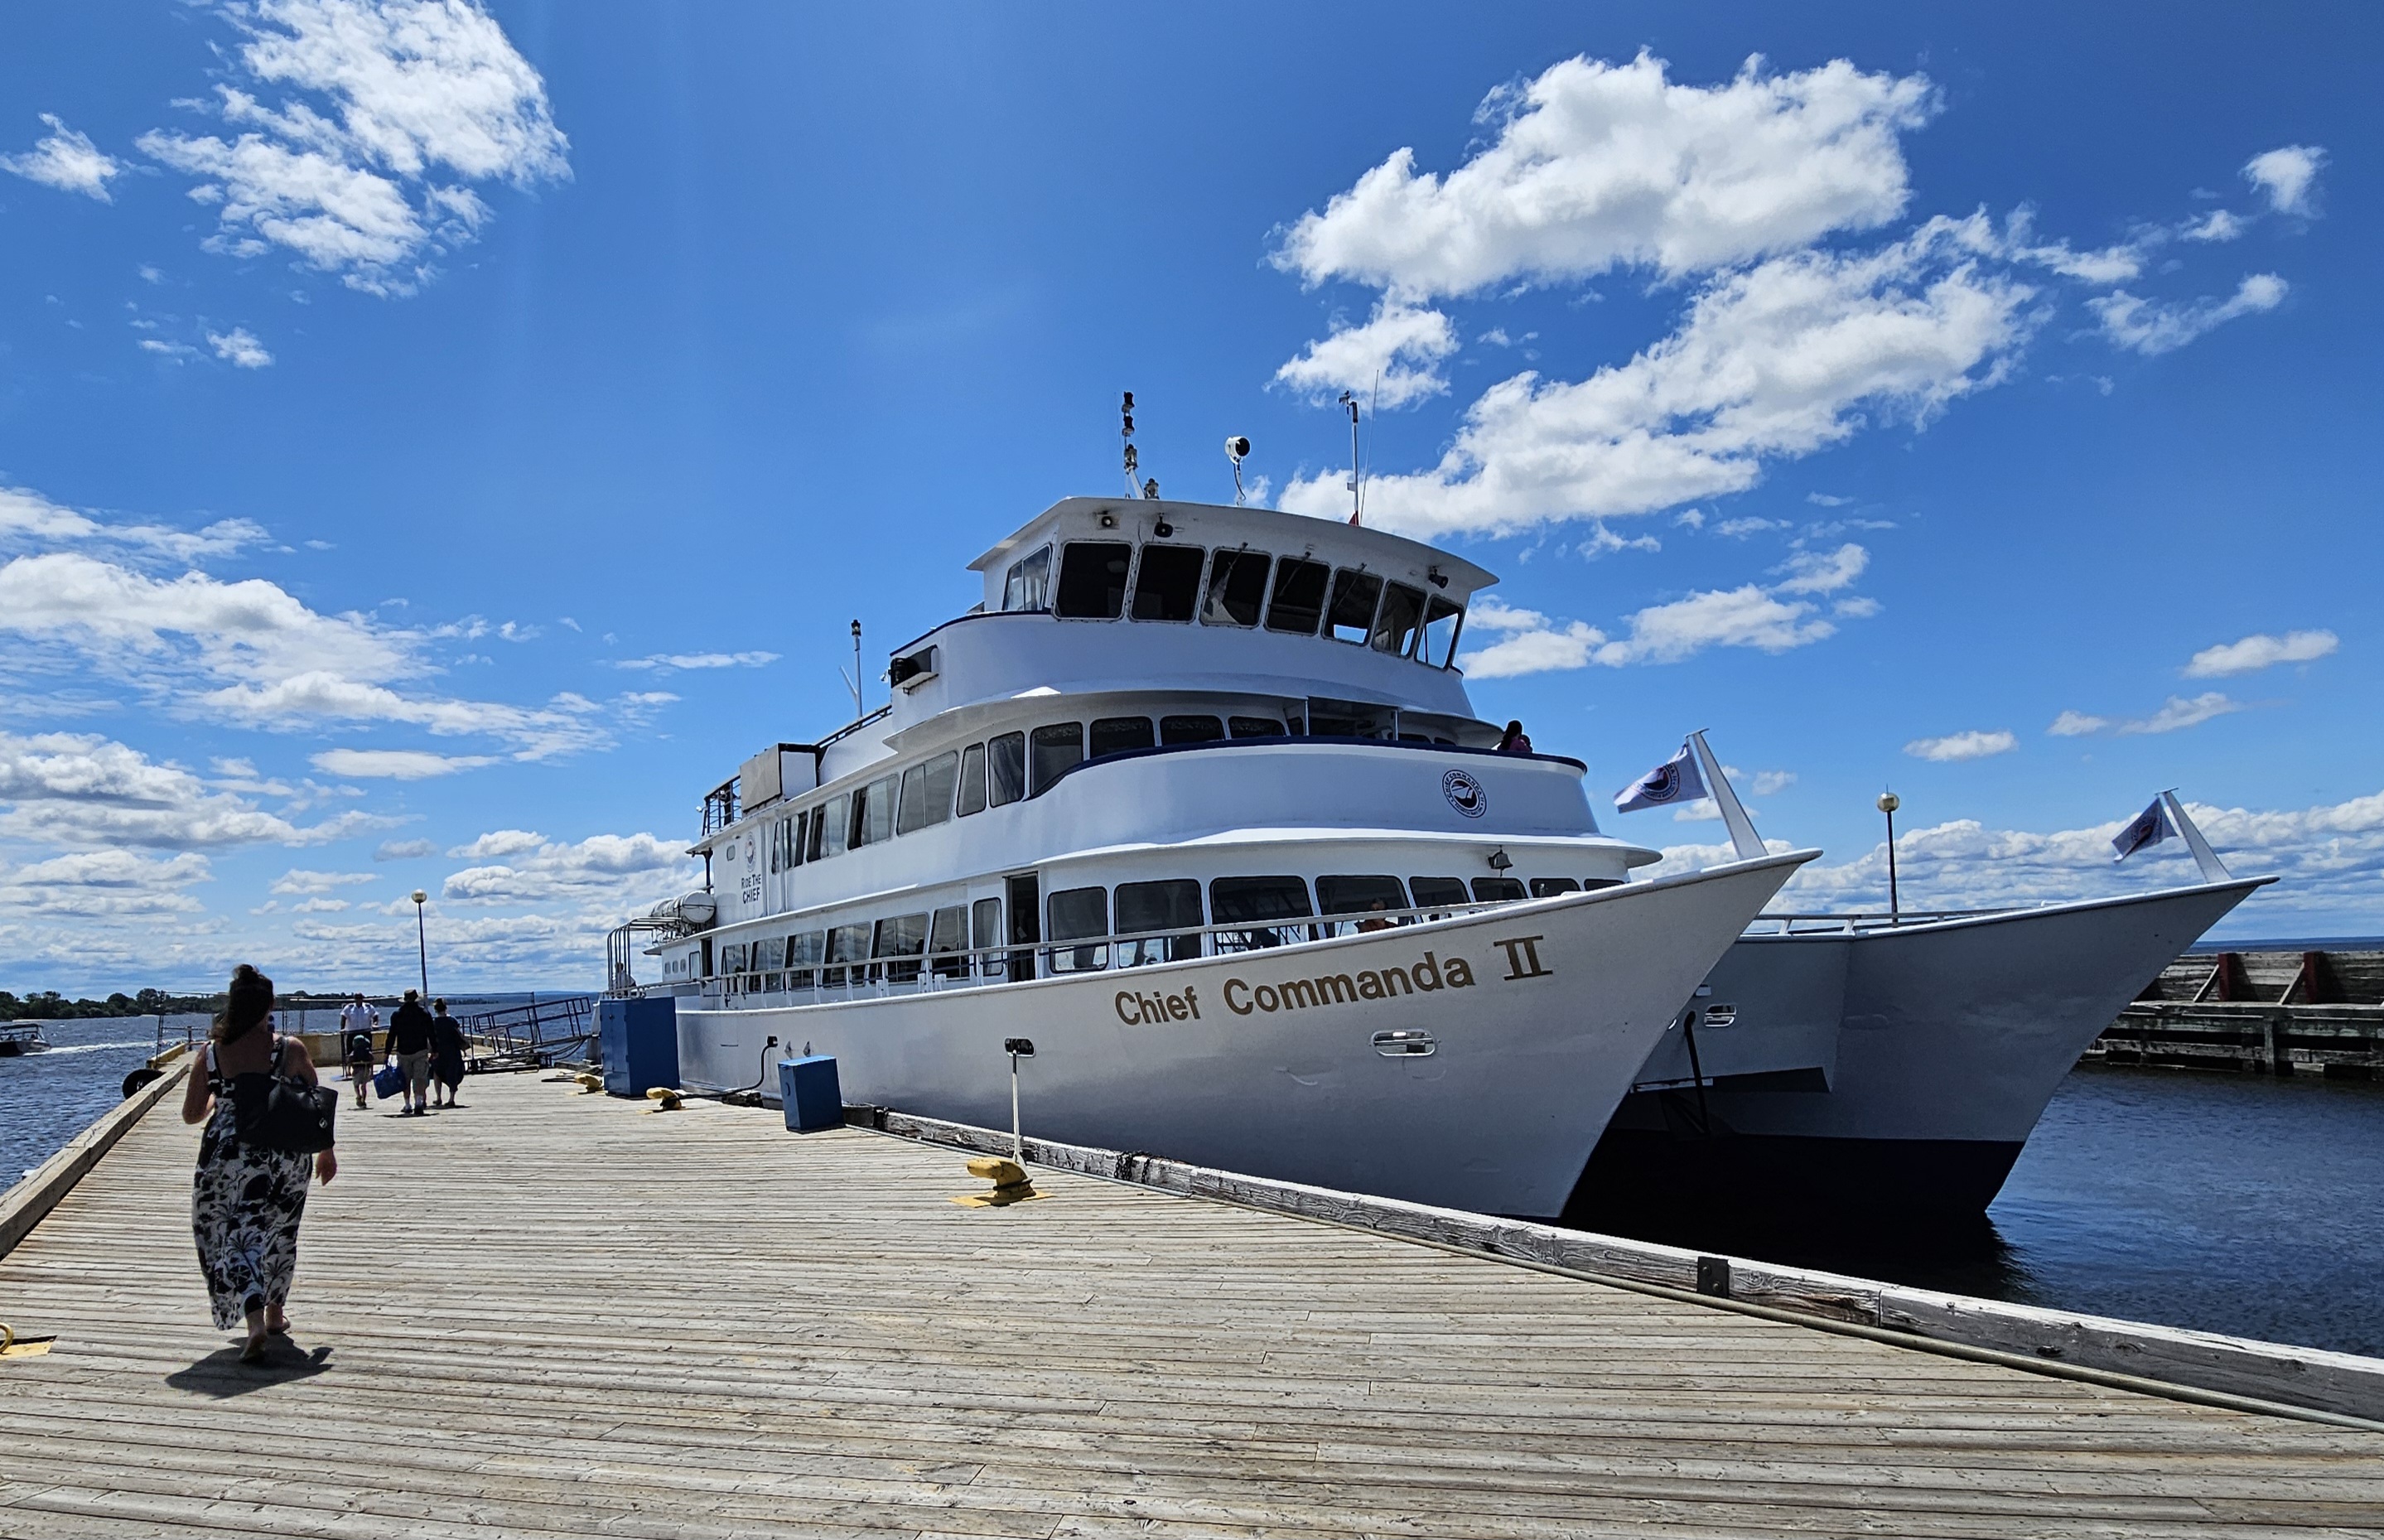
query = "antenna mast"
{"x": 1351, "y": 402}
{"x": 1133, "y": 461}
{"x": 856, "y": 671}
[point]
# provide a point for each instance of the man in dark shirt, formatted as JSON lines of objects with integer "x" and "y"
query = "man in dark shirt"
{"x": 409, "y": 1044}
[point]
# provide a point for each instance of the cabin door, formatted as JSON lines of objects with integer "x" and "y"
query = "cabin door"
{"x": 1026, "y": 924}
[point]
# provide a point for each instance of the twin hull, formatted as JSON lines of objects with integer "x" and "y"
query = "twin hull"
{"x": 1536, "y": 1018}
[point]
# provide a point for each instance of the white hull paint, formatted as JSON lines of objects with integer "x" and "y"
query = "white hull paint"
{"x": 1528, "y": 1062}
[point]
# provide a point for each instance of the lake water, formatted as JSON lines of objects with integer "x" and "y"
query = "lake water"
{"x": 2231, "y": 1203}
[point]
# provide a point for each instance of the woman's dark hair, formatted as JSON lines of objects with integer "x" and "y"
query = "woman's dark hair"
{"x": 247, "y": 1002}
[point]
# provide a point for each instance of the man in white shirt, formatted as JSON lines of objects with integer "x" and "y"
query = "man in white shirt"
{"x": 358, "y": 1022}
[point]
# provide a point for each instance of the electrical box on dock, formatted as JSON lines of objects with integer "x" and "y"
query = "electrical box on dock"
{"x": 808, "y": 1087}
{"x": 639, "y": 1038}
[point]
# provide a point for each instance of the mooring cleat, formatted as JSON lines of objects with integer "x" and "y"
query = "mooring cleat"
{"x": 14, "y": 1346}
{"x": 665, "y": 1099}
{"x": 1010, "y": 1184}
{"x": 590, "y": 1085}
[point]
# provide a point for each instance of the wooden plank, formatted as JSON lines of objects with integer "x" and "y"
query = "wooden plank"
{"x": 28, "y": 1201}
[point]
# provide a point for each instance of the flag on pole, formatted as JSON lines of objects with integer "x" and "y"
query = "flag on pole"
{"x": 1671, "y": 784}
{"x": 2152, "y": 826}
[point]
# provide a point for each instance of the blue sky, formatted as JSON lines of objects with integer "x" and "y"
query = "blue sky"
{"x": 439, "y": 443}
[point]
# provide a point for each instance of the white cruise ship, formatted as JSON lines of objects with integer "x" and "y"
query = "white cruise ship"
{"x": 1195, "y": 800}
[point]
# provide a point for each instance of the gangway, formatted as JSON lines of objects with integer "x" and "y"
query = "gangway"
{"x": 532, "y": 1037}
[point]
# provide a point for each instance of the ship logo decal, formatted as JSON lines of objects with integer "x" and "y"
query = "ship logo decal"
{"x": 1465, "y": 794}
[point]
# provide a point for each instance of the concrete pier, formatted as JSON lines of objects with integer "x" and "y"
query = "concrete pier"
{"x": 548, "y": 1313}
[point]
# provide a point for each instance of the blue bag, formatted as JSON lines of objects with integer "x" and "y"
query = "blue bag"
{"x": 389, "y": 1082}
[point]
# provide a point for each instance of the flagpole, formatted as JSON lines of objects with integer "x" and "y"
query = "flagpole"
{"x": 1743, "y": 837}
{"x": 1887, "y": 803}
{"x": 2213, "y": 869}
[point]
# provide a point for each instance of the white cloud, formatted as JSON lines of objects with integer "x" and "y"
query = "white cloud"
{"x": 239, "y": 348}
{"x": 2076, "y": 724}
{"x": 396, "y": 104}
{"x": 1739, "y": 528}
{"x": 1391, "y": 361}
{"x": 1745, "y": 617}
{"x": 404, "y": 849}
{"x": 2286, "y": 176}
{"x": 1782, "y": 359}
{"x": 67, "y": 160}
{"x": 27, "y": 518}
{"x": 1542, "y": 651}
{"x": 498, "y": 844}
{"x": 79, "y": 788}
{"x": 2216, "y": 226}
{"x": 1955, "y": 747}
{"x": 1823, "y": 571}
{"x": 605, "y": 864}
{"x": 1690, "y": 518}
{"x": 1602, "y": 541}
{"x": 298, "y": 880}
{"x": 563, "y": 726}
{"x": 402, "y": 764}
{"x": 700, "y": 660}
{"x": 1597, "y": 166}
{"x": 174, "y": 351}
{"x": 105, "y": 885}
{"x": 2255, "y": 653}
{"x": 1765, "y": 782}
{"x": 2152, "y": 328}
{"x": 1827, "y": 499}
{"x": 2178, "y": 713}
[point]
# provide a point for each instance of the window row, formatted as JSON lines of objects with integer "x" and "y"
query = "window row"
{"x": 1105, "y": 580}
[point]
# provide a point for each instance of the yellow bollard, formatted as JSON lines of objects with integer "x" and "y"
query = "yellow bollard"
{"x": 1010, "y": 1184}
{"x": 665, "y": 1099}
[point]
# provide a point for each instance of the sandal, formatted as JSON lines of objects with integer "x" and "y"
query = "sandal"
{"x": 254, "y": 1351}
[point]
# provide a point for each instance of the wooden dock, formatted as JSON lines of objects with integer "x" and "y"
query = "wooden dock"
{"x": 2265, "y": 1012}
{"x": 553, "y": 1315}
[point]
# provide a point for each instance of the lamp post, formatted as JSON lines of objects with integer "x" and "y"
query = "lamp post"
{"x": 1887, "y": 803}
{"x": 421, "y": 943}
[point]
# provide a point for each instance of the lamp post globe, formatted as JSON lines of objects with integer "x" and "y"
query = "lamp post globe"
{"x": 1887, "y": 803}
{"x": 421, "y": 943}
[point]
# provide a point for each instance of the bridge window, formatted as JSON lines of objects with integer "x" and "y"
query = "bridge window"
{"x": 1147, "y": 906}
{"x": 1057, "y": 747}
{"x": 1497, "y": 889}
{"x": 1167, "y": 586}
{"x": 1396, "y": 622}
{"x": 971, "y": 779}
{"x": 1236, "y": 587}
{"x": 898, "y": 944}
{"x": 1077, "y": 915}
{"x": 1027, "y": 585}
{"x": 1441, "y": 621}
{"x": 1092, "y": 579}
{"x": 1354, "y": 594}
{"x": 1257, "y": 726}
{"x": 1191, "y": 729}
{"x": 1298, "y": 596}
{"x": 1548, "y": 888}
{"x": 1006, "y": 765}
{"x": 1337, "y": 895}
{"x": 1437, "y": 892}
{"x": 873, "y": 812}
{"x": 1115, "y": 734}
{"x": 927, "y": 793}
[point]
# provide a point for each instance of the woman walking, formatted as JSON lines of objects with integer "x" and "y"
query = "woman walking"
{"x": 246, "y": 1200}
{"x": 446, "y": 1054}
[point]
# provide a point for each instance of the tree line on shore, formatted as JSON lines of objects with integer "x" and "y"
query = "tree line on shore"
{"x": 49, "y": 1005}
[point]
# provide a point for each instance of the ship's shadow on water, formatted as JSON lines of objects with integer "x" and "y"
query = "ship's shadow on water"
{"x": 1961, "y": 1254}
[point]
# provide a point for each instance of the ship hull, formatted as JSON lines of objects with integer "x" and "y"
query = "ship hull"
{"x": 1275, "y": 1062}
{"x": 1952, "y": 1037}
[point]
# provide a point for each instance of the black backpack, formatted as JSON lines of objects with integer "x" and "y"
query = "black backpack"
{"x": 276, "y": 1111}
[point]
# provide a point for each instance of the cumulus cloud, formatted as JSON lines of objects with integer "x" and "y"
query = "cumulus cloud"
{"x": 239, "y": 348}
{"x": 1823, "y": 571}
{"x": 2152, "y": 328}
{"x": 2076, "y": 724}
{"x": 300, "y": 881}
{"x": 2286, "y": 176}
{"x": 2255, "y": 653}
{"x": 699, "y": 660}
{"x": 399, "y": 765}
{"x": 81, "y": 789}
{"x": 2216, "y": 226}
{"x": 28, "y": 520}
{"x": 404, "y": 849}
{"x": 1391, "y": 361}
{"x": 105, "y": 885}
{"x": 387, "y": 110}
{"x": 1529, "y": 642}
{"x": 535, "y": 870}
{"x": 2178, "y": 713}
{"x": 1780, "y": 359}
{"x": 1596, "y": 166}
{"x": 1955, "y": 747}
{"x": 67, "y": 160}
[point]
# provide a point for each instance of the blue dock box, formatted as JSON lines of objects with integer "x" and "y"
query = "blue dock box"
{"x": 639, "y": 1041}
{"x": 808, "y": 1087}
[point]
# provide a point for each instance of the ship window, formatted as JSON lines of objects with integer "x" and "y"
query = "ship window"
{"x": 1115, "y": 734}
{"x": 1077, "y": 914}
{"x": 1433, "y": 892}
{"x": 1006, "y": 767}
{"x": 770, "y": 956}
{"x": 1191, "y": 729}
{"x": 873, "y": 812}
{"x": 1167, "y": 585}
{"x": 1395, "y": 622}
{"x": 803, "y": 954}
{"x": 971, "y": 779}
{"x": 1298, "y": 596}
{"x": 947, "y": 943}
{"x": 1057, "y": 747}
{"x": 1236, "y": 587}
{"x": 1234, "y": 900}
{"x": 1148, "y": 906}
{"x": 985, "y": 931}
{"x": 795, "y": 827}
{"x": 1497, "y": 889}
{"x": 1353, "y": 605}
{"x": 1548, "y": 888}
{"x": 927, "y": 793}
{"x": 1028, "y": 583}
{"x": 1441, "y": 621}
{"x": 1092, "y": 579}
{"x": 845, "y": 944}
{"x": 778, "y": 846}
{"x": 1358, "y": 895}
{"x": 900, "y": 939}
{"x": 732, "y": 959}
{"x": 1591, "y": 884}
{"x": 830, "y": 827}
{"x": 1257, "y": 726}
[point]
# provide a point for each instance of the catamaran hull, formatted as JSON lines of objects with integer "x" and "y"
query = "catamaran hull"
{"x": 1289, "y": 1063}
{"x": 1952, "y": 1037}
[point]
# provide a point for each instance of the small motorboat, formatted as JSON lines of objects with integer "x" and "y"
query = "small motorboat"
{"x": 18, "y": 1040}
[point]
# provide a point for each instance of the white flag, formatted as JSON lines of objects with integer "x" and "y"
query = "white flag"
{"x": 2152, "y": 826}
{"x": 1671, "y": 784}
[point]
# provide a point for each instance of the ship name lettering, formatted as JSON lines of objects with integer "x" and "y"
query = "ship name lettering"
{"x": 1523, "y": 958}
{"x": 1242, "y": 997}
{"x": 1156, "y": 1009}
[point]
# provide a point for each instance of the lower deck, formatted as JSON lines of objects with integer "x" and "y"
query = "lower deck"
{"x": 545, "y": 1313}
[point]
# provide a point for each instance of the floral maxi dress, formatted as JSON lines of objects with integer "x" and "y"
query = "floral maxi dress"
{"x": 245, "y": 1204}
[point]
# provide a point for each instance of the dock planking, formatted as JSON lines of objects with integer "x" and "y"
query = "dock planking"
{"x": 547, "y": 1313}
